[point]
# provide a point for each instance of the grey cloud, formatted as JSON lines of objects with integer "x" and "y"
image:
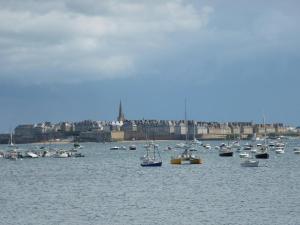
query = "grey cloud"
{"x": 45, "y": 40}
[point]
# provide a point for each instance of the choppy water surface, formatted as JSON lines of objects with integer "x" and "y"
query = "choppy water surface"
{"x": 110, "y": 187}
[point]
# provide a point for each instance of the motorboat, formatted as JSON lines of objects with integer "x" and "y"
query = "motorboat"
{"x": 297, "y": 150}
{"x": 169, "y": 148}
{"x": 244, "y": 155}
{"x": 279, "y": 150}
{"x": 206, "y": 146}
{"x": 77, "y": 145}
{"x": 132, "y": 147}
{"x": 180, "y": 145}
{"x": 249, "y": 163}
{"x": 115, "y": 148}
{"x": 31, "y": 155}
{"x": 247, "y": 147}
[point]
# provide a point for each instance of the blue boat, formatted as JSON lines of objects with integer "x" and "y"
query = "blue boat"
{"x": 152, "y": 157}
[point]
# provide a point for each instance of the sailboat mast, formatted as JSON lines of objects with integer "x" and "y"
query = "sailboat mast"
{"x": 264, "y": 121}
{"x": 185, "y": 121}
{"x": 11, "y": 138}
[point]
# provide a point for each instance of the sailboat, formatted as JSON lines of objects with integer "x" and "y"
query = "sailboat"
{"x": 225, "y": 150}
{"x": 195, "y": 141}
{"x": 152, "y": 157}
{"x": 262, "y": 153}
{"x": 186, "y": 156}
{"x": 10, "y": 142}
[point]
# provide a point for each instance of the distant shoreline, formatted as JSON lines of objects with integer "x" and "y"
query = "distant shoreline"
{"x": 66, "y": 141}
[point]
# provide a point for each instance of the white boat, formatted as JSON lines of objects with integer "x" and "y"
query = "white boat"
{"x": 206, "y": 146}
{"x": 249, "y": 162}
{"x": 115, "y": 148}
{"x": 169, "y": 148}
{"x": 297, "y": 150}
{"x": 244, "y": 155}
{"x": 180, "y": 145}
{"x": 61, "y": 154}
{"x": 254, "y": 150}
{"x": 11, "y": 143}
{"x": 31, "y": 155}
{"x": 132, "y": 147}
{"x": 279, "y": 150}
{"x": 123, "y": 147}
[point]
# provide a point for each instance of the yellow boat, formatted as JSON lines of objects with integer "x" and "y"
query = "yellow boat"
{"x": 185, "y": 158}
{"x": 196, "y": 161}
{"x": 176, "y": 161}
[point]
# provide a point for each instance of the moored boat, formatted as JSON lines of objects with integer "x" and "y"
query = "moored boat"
{"x": 132, "y": 147}
{"x": 249, "y": 163}
{"x": 244, "y": 155}
{"x": 152, "y": 157}
{"x": 297, "y": 150}
{"x": 279, "y": 150}
{"x": 225, "y": 152}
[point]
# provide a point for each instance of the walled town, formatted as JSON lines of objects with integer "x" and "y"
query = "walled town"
{"x": 123, "y": 129}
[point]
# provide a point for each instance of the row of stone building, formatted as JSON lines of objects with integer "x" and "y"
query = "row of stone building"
{"x": 89, "y": 130}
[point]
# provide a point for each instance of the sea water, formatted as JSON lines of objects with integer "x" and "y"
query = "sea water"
{"x": 111, "y": 188}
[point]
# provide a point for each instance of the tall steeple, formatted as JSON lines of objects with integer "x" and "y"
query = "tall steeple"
{"x": 121, "y": 116}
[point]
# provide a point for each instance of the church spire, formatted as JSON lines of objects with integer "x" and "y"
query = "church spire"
{"x": 121, "y": 114}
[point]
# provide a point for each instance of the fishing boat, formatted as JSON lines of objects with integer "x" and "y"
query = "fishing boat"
{"x": 186, "y": 157}
{"x": 152, "y": 157}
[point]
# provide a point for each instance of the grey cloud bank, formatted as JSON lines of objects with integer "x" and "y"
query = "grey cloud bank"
{"x": 231, "y": 59}
{"x": 61, "y": 41}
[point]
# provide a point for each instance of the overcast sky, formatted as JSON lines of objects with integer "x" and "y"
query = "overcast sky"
{"x": 74, "y": 60}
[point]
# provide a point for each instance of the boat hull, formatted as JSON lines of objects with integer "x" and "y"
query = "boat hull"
{"x": 226, "y": 154}
{"x": 176, "y": 161}
{"x": 250, "y": 164}
{"x": 262, "y": 156}
{"x": 152, "y": 164}
{"x": 195, "y": 161}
